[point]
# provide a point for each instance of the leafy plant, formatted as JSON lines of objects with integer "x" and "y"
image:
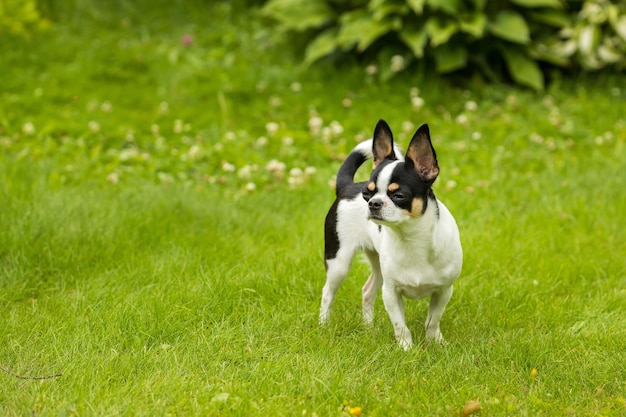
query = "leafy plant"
{"x": 497, "y": 38}
{"x": 596, "y": 40}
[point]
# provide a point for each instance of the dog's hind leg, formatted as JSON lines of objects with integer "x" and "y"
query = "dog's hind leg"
{"x": 336, "y": 271}
{"x": 371, "y": 287}
{"x": 438, "y": 302}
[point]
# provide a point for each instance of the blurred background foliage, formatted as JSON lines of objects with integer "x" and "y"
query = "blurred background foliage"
{"x": 513, "y": 40}
{"x": 522, "y": 41}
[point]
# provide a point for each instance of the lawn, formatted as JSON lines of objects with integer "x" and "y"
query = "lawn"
{"x": 166, "y": 170}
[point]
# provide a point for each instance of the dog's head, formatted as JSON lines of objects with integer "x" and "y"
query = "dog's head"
{"x": 399, "y": 190}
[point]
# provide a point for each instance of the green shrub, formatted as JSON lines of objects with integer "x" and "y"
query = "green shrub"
{"x": 498, "y": 38}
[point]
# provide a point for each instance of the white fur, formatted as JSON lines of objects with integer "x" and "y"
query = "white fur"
{"x": 420, "y": 258}
{"x": 412, "y": 257}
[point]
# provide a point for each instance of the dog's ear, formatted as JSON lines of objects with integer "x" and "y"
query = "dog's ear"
{"x": 422, "y": 156}
{"x": 382, "y": 146}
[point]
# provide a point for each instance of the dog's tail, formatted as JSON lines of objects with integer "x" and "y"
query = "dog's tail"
{"x": 361, "y": 153}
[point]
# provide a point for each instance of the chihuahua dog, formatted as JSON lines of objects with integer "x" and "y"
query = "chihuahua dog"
{"x": 409, "y": 237}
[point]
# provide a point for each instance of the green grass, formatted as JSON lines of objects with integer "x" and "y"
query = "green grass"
{"x": 158, "y": 281}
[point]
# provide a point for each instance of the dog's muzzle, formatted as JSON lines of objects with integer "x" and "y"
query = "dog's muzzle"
{"x": 375, "y": 205}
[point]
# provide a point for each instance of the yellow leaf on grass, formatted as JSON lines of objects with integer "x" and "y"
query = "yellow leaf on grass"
{"x": 355, "y": 411}
{"x": 471, "y": 407}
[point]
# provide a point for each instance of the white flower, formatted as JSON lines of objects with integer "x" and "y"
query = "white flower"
{"x": 106, "y": 107}
{"x": 346, "y": 102}
{"x": 371, "y": 69}
{"x": 287, "y": 141}
{"x": 113, "y": 178}
{"x": 417, "y": 102}
{"x": 154, "y": 129}
{"x": 228, "y": 167}
{"x": 397, "y": 63}
{"x": 461, "y": 119}
{"x": 295, "y": 172}
{"x": 127, "y": 154}
{"x": 94, "y": 126}
{"x": 28, "y": 128}
{"x": 315, "y": 124}
{"x": 275, "y": 166}
{"x": 407, "y": 126}
{"x": 275, "y": 101}
{"x": 165, "y": 178}
{"x": 178, "y": 126}
{"x": 272, "y": 128}
{"x": 164, "y": 107}
{"x": 326, "y": 133}
{"x": 310, "y": 170}
{"x": 296, "y": 87}
{"x": 194, "y": 151}
{"x": 250, "y": 186}
{"x": 477, "y": 136}
{"x": 471, "y": 105}
{"x": 261, "y": 141}
{"x": 245, "y": 172}
{"x": 261, "y": 86}
{"x": 336, "y": 128}
{"x": 537, "y": 138}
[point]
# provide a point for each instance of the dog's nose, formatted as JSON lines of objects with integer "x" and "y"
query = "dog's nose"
{"x": 375, "y": 204}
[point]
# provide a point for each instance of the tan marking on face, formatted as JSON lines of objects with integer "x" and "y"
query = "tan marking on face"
{"x": 371, "y": 186}
{"x": 393, "y": 187}
{"x": 416, "y": 207}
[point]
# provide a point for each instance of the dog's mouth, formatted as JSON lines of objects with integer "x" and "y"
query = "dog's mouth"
{"x": 376, "y": 217}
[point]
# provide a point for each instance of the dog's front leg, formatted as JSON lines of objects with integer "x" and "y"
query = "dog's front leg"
{"x": 438, "y": 302}
{"x": 395, "y": 308}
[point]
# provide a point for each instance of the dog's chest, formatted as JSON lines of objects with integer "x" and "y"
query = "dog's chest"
{"x": 416, "y": 272}
{"x": 413, "y": 281}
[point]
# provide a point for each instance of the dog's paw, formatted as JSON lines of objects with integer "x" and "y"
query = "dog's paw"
{"x": 435, "y": 337}
{"x": 405, "y": 344}
{"x": 368, "y": 319}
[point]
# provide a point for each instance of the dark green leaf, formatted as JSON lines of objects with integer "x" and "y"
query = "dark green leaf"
{"x": 299, "y": 14}
{"x": 324, "y": 44}
{"x": 415, "y": 38}
{"x": 360, "y": 30}
{"x": 510, "y": 26}
{"x": 388, "y": 9}
{"x": 417, "y": 5}
{"x": 473, "y": 24}
{"x": 451, "y": 7}
{"x": 555, "y": 4}
{"x": 440, "y": 29}
{"x": 523, "y": 69}
{"x": 450, "y": 58}
{"x": 551, "y": 17}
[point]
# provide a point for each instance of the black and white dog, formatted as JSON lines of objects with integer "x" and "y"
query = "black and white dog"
{"x": 410, "y": 238}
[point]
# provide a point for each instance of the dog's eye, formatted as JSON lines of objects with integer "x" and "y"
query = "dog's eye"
{"x": 367, "y": 194}
{"x": 398, "y": 197}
